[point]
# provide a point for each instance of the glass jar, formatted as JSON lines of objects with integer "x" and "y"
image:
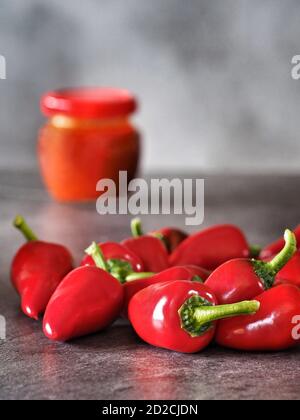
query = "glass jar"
{"x": 88, "y": 137}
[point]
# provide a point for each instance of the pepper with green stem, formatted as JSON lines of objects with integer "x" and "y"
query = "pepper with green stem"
{"x": 37, "y": 270}
{"x": 181, "y": 316}
{"x": 117, "y": 260}
{"x": 150, "y": 249}
{"x": 242, "y": 279}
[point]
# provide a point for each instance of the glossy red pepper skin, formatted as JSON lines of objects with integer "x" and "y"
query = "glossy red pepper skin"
{"x": 153, "y": 313}
{"x": 270, "y": 329}
{"x": 290, "y": 274}
{"x": 235, "y": 281}
{"x": 172, "y": 237}
{"x": 269, "y": 251}
{"x": 151, "y": 251}
{"x": 180, "y": 315}
{"x": 211, "y": 247}
{"x": 171, "y": 274}
{"x": 37, "y": 270}
{"x": 88, "y": 300}
{"x": 114, "y": 250}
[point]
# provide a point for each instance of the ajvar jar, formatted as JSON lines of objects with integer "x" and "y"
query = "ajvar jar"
{"x": 88, "y": 137}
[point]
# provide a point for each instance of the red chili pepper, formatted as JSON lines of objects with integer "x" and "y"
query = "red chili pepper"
{"x": 88, "y": 300}
{"x": 211, "y": 247}
{"x": 270, "y": 329}
{"x": 121, "y": 261}
{"x": 273, "y": 249}
{"x": 37, "y": 269}
{"x": 170, "y": 236}
{"x": 242, "y": 279}
{"x": 136, "y": 282}
{"x": 181, "y": 315}
{"x": 150, "y": 250}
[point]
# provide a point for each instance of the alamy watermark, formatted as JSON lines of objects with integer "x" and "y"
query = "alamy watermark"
{"x": 2, "y": 328}
{"x": 296, "y": 67}
{"x": 2, "y": 67}
{"x": 156, "y": 196}
{"x": 296, "y": 329}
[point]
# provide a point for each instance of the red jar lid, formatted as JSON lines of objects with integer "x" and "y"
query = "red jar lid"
{"x": 89, "y": 103}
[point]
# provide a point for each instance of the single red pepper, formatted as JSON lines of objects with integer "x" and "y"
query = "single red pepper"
{"x": 170, "y": 236}
{"x": 211, "y": 247}
{"x": 273, "y": 249}
{"x": 181, "y": 315}
{"x": 150, "y": 250}
{"x": 243, "y": 279}
{"x": 272, "y": 328}
{"x": 139, "y": 281}
{"x": 121, "y": 261}
{"x": 88, "y": 300}
{"x": 37, "y": 270}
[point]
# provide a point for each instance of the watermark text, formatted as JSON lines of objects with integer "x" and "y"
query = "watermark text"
{"x": 296, "y": 67}
{"x": 296, "y": 329}
{"x": 2, "y": 328}
{"x": 156, "y": 196}
{"x": 2, "y": 67}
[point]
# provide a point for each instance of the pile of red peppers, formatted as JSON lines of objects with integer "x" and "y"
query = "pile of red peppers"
{"x": 180, "y": 292}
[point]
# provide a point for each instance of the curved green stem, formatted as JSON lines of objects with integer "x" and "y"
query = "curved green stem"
{"x": 138, "y": 276}
{"x": 267, "y": 271}
{"x": 280, "y": 260}
{"x": 197, "y": 314}
{"x": 21, "y": 224}
{"x": 136, "y": 227}
{"x": 95, "y": 252}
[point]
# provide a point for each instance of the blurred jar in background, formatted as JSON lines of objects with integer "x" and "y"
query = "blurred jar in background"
{"x": 88, "y": 137}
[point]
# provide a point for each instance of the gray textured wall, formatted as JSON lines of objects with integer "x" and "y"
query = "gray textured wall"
{"x": 213, "y": 76}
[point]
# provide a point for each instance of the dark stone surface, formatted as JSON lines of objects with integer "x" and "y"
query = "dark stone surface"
{"x": 115, "y": 364}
